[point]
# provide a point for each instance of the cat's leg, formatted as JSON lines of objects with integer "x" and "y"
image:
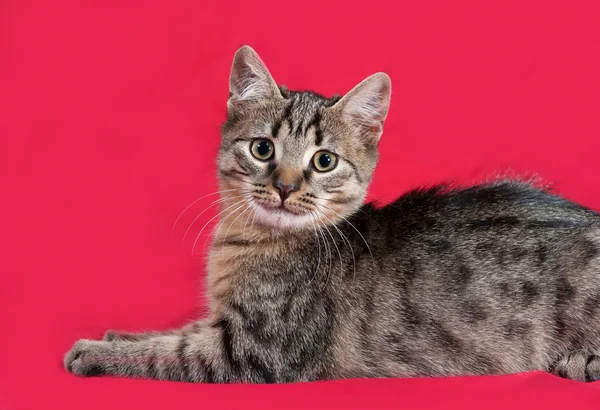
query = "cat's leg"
{"x": 582, "y": 365}
{"x": 111, "y": 335}
{"x": 193, "y": 357}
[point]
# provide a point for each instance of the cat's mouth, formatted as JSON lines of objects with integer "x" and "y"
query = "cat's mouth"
{"x": 283, "y": 215}
{"x": 283, "y": 208}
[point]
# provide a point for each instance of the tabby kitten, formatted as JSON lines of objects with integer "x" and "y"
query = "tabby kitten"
{"x": 306, "y": 283}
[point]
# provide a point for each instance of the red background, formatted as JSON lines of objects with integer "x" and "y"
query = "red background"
{"x": 109, "y": 126}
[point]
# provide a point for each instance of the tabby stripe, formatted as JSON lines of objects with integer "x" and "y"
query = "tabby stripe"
{"x": 318, "y": 137}
{"x": 152, "y": 369}
{"x": 240, "y": 310}
{"x": 241, "y": 159}
{"x": 261, "y": 370}
{"x": 237, "y": 242}
{"x": 271, "y": 168}
{"x": 221, "y": 279}
{"x": 287, "y": 115}
{"x": 307, "y": 174}
{"x": 275, "y": 129}
{"x": 227, "y": 341}
{"x": 358, "y": 178}
{"x": 300, "y": 130}
{"x": 342, "y": 201}
{"x": 232, "y": 172}
{"x": 562, "y": 373}
{"x": 182, "y": 358}
{"x": 316, "y": 122}
{"x": 590, "y": 359}
{"x": 209, "y": 374}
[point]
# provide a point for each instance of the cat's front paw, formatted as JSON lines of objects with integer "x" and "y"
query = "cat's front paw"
{"x": 83, "y": 359}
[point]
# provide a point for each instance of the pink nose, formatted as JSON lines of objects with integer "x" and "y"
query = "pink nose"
{"x": 284, "y": 190}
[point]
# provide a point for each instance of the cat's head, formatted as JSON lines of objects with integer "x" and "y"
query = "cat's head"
{"x": 296, "y": 159}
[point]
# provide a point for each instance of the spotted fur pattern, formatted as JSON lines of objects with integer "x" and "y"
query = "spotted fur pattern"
{"x": 498, "y": 278}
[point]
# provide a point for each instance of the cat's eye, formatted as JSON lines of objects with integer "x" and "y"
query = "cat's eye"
{"x": 262, "y": 149}
{"x": 324, "y": 161}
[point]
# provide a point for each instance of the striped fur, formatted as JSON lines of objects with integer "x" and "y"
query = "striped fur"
{"x": 498, "y": 278}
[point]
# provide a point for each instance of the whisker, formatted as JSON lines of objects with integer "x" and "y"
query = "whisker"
{"x": 212, "y": 232}
{"x": 330, "y": 254}
{"x": 248, "y": 182}
{"x": 253, "y": 214}
{"x": 231, "y": 224}
{"x": 344, "y": 238}
{"x": 206, "y": 209}
{"x": 325, "y": 245}
{"x": 319, "y": 245}
{"x": 217, "y": 226}
{"x": 337, "y": 249}
{"x": 357, "y": 231}
{"x": 328, "y": 248}
{"x": 211, "y": 219}
{"x": 199, "y": 199}
{"x": 271, "y": 174}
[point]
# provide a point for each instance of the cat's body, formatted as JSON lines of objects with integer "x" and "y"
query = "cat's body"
{"x": 495, "y": 279}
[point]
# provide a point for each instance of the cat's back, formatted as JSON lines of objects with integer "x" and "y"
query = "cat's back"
{"x": 500, "y": 264}
{"x": 493, "y": 209}
{"x": 507, "y": 226}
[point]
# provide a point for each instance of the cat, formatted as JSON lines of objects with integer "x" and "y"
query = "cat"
{"x": 306, "y": 283}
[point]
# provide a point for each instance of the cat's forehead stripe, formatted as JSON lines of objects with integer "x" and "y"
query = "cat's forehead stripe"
{"x": 302, "y": 113}
{"x": 275, "y": 129}
{"x": 316, "y": 123}
{"x": 287, "y": 114}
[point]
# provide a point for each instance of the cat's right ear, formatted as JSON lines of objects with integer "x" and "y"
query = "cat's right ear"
{"x": 366, "y": 105}
{"x": 250, "y": 81}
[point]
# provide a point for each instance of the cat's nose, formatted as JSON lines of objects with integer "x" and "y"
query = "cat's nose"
{"x": 285, "y": 189}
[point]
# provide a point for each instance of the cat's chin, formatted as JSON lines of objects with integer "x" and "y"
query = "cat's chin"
{"x": 280, "y": 218}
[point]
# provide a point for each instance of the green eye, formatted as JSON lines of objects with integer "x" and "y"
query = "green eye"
{"x": 324, "y": 161}
{"x": 262, "y": 149}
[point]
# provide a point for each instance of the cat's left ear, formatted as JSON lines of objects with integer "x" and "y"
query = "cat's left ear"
{"x": 367, "y": 104}
{"x": 250, "y": 81}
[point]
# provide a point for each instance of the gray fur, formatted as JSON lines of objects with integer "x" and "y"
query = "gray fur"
{"x": 498, "y": 278}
